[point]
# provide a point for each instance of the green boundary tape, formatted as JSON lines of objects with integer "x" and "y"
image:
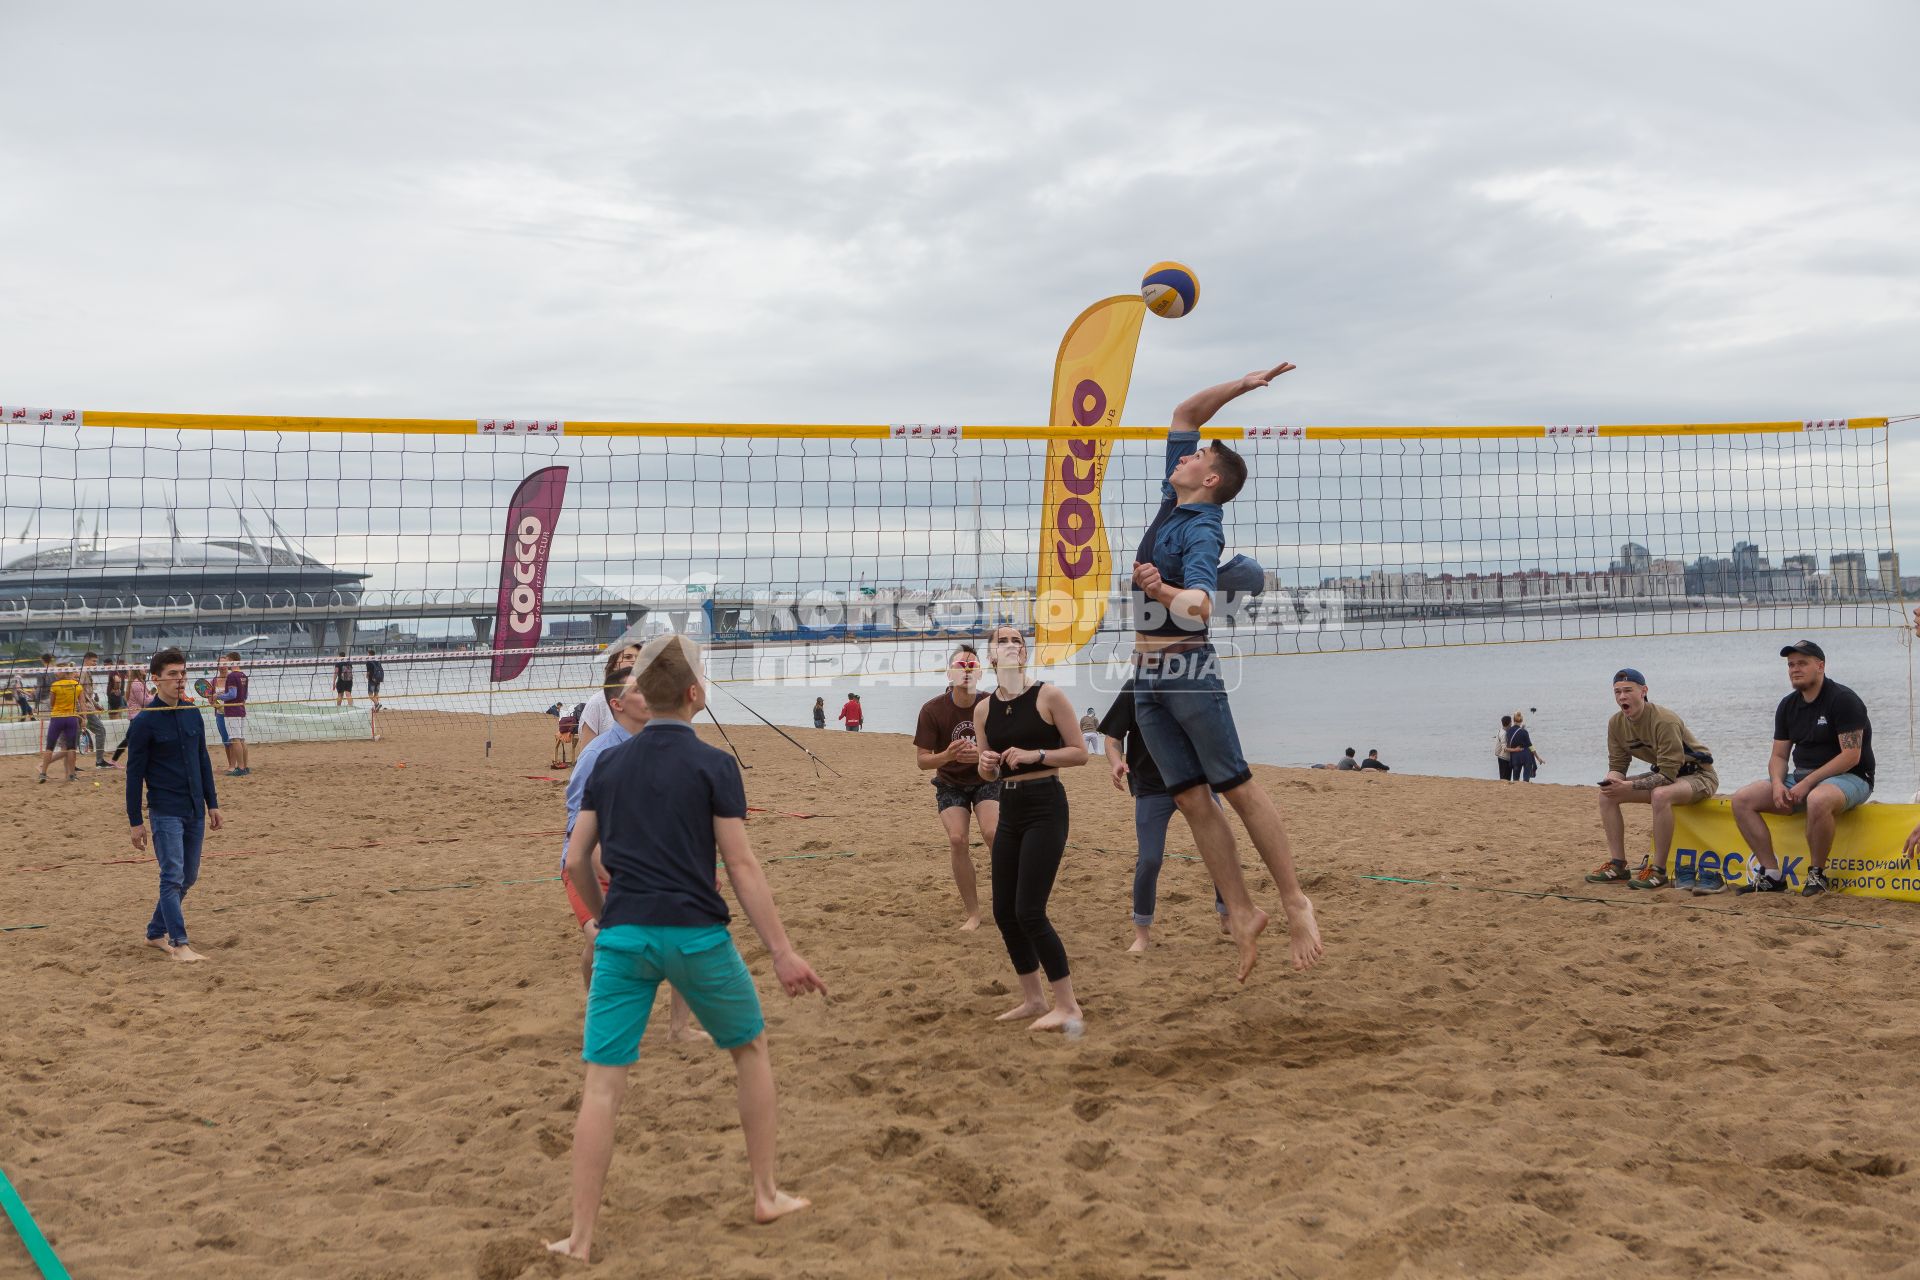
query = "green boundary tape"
{"x": 17, "y": 928}
{"x": 37, "y": 1247}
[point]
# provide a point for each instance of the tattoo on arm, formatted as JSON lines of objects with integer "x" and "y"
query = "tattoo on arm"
{"x": 1647, "y": 781}
{"x": 1852, "y": 741}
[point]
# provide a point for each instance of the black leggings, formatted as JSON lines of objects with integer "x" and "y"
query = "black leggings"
{"x": 1027, "y": 848}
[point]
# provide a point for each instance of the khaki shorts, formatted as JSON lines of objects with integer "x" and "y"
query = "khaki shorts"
{"x": 1704, "y": 782}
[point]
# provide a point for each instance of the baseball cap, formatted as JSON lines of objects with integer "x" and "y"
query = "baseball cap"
{"x": 1808, "y": 647}
{"x": 1628, "y": 673}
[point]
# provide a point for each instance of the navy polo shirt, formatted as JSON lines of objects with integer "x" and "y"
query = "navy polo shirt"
{"x": 656, "y": 797}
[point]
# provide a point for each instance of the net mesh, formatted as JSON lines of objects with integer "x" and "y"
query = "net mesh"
{"x": 306, "y": 550}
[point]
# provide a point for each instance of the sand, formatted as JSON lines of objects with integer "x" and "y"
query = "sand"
{"x": 374, "y": 1075}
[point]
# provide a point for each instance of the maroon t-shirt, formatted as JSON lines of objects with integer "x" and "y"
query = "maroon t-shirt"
{"x": 940, "y": 723}
{"x": 234, "y": 701}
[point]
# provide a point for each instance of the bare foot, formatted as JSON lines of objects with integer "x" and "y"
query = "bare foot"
{"x": 565, "y": 1249}
{"x": 1067, "y": 1020}
{"x": 1303, "y": 934}
{"x": 689, "y": 1035}
{"x": 1022, "y": 1010}
{"x": 971, "y": 923}
{"x": 1140, "y": 942}
{"x": 1247, "y": 939}
{"x": 185, "y": 955}
{"x": 782, "y": 1204}
{"x": 160, "y": 944}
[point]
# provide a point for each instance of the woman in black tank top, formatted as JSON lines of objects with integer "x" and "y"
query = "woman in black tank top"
{"x": 1022, "y": 745}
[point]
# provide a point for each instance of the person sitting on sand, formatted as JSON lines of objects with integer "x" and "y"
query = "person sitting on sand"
{"x": 1023, "y": 728}
{"x": 1131, "y": 766}
{"x": 1347, "y": 763}
{"x": 661, "y": 807}
{"x": 167, "y": 756}
{"x": 944, "y": 742}
{"x": 1374, "y": 762}
{"x": 630, "y": 715}
{"x": 1682, "y": 773}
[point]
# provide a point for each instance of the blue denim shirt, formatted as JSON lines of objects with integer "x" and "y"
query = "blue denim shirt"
{"x": 167, "y": 757}
{"x": 1184, "y": 543}
{"x": 582, "y": 770}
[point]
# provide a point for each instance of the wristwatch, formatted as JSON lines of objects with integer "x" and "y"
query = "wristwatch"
{"x": 1041, "y": 763}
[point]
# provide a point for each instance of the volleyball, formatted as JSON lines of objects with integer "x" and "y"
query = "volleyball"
{"x": 1171, "y": 290}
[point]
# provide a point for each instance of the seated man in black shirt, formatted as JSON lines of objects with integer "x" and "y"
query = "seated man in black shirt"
{"x": 1373, "y": 761}
{"x": 1823, "y": 725}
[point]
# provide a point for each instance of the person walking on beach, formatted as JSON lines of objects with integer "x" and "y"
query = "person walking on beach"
{"x": 167, "y": 756}
{"x": 1681, "y": 774}
{"x": 853, "y": 713}
{"x": 819, "y": 713}
{"x": 138, "y": 695}
{"x": 376, "y": 676}
{"x": 630, "y": 716}
{"x": 1503, "y": 750}
{"x": 662, "y": 807}
{"x": 1131, "y": 767}
{"x": 1090, "y": 730}
{"x": 229, "y": 694}
{"x": 64, "y": 696}
{"x": 90, "y": 707}
{"x": 1179, "y": 694}
{"x": 1822, "y": 763}
{"x": 17, "y": 690}
{"x": 1520, "y": 758}
{"x": 944, "y": 741}
{"x": 343, "y": 680}
{"x": 1023, "y": 748}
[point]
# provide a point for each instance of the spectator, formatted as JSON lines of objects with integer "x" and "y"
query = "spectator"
{"x": 852, "y": 713}
{"x": 1373, "y": 761}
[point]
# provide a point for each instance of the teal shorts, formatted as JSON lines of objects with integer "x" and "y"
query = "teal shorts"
{"x": 630, "y": 961}
{"x": 1851, "y": 785}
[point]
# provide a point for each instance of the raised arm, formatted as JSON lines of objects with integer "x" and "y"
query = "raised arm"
{"x": 1198, "y": 409}
{"x": 756, "y": 899}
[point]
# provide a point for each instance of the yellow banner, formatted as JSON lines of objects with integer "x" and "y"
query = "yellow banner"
{"x": 1868, "y": 858}
{"x": 1090, "y": 380}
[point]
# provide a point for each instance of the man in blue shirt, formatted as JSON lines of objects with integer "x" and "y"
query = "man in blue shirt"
{"x": 630, "y": 715}
{"x": 1179, "y": 697}
{"x": 167, "y": 754}
{"x": 661, "y": 806}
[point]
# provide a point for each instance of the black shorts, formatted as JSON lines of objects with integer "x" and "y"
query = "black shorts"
{"x": 949, "y": 795}
{"x": 343, "y": 686}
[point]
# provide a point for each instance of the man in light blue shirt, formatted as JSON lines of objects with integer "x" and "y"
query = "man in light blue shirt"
{"x": 630, "y": 715}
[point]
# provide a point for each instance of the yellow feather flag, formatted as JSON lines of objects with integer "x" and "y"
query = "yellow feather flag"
{"x": 1090, "y": 380}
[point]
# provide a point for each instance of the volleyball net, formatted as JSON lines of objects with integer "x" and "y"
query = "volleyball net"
{"x": 852, "y": 552}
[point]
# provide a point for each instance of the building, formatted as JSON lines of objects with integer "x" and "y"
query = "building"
{"x": 1849, "y": 573}
{"x": 1890, "y": 572}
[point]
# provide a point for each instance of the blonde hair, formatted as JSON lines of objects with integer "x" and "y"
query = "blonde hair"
{"x": 668, "y": 666}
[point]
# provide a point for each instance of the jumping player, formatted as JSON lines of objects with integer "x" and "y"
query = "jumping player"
{"x": 661, "y": 807}
{"x": 1179, "y": 696}
{"x": 1023, "y": 728}
{"x": 629, "y": 717}
{"x": 944, "y": 742}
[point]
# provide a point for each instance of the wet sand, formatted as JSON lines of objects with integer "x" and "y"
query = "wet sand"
{"x": 374, "y": 1074}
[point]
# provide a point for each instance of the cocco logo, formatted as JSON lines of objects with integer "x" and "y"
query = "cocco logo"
{"x": 1075, "y": 520}
{"x": 525, "y": 600}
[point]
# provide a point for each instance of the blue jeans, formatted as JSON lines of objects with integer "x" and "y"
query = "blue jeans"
{"x": 1180, "y": 703}
{"x": 176, "y": 847}
{"x": 1151, "y": 813}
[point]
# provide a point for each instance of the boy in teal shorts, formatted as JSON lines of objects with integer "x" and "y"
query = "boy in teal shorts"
{"x": 660, "y": 807}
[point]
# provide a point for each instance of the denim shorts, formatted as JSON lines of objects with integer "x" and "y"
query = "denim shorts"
{"x": 630, "y": 961}
{"x": 1180, "y": 704}
{"x": 1851, "y": 785}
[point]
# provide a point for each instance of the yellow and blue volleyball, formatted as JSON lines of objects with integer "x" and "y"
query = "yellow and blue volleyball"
{"x": 1171, "y": 290}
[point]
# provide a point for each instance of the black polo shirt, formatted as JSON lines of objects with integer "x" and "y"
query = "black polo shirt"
{"x": 1814, "y": 728}
{"x": 1143, "y": 775}
{"x": 656, "y": 797}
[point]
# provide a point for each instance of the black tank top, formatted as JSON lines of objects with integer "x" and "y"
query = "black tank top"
{"x": 1016, "y": 722}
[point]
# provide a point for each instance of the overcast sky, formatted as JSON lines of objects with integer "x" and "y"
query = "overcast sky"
{"x": 1485, "y": 213}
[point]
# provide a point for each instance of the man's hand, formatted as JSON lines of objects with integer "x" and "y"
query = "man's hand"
{"x": 214, "y": 820}
{"x": 1797, "y": 793}
{"x": 1120, "y": 772}
{"x": 1258, "y": 379}
{"x": 140, "y": 838}
{"x": 796, "y": 975}
{"x": 989, "y": 760}
{"x": 1148, "y": 579}
{"x": 965, "y": 750}
{"x": 1782, "y": 798}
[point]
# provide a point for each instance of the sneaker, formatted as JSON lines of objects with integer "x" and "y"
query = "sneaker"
{"x": 1706, "y": 882}
{"x": 1763, "y": 883}
{"x": 1610, "y": 873}
{"x": 1649, "y": 877}
{"x": 1814, "y": 883}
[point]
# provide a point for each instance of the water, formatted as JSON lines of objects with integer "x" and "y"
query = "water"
{"x": 1428, "y": 711}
